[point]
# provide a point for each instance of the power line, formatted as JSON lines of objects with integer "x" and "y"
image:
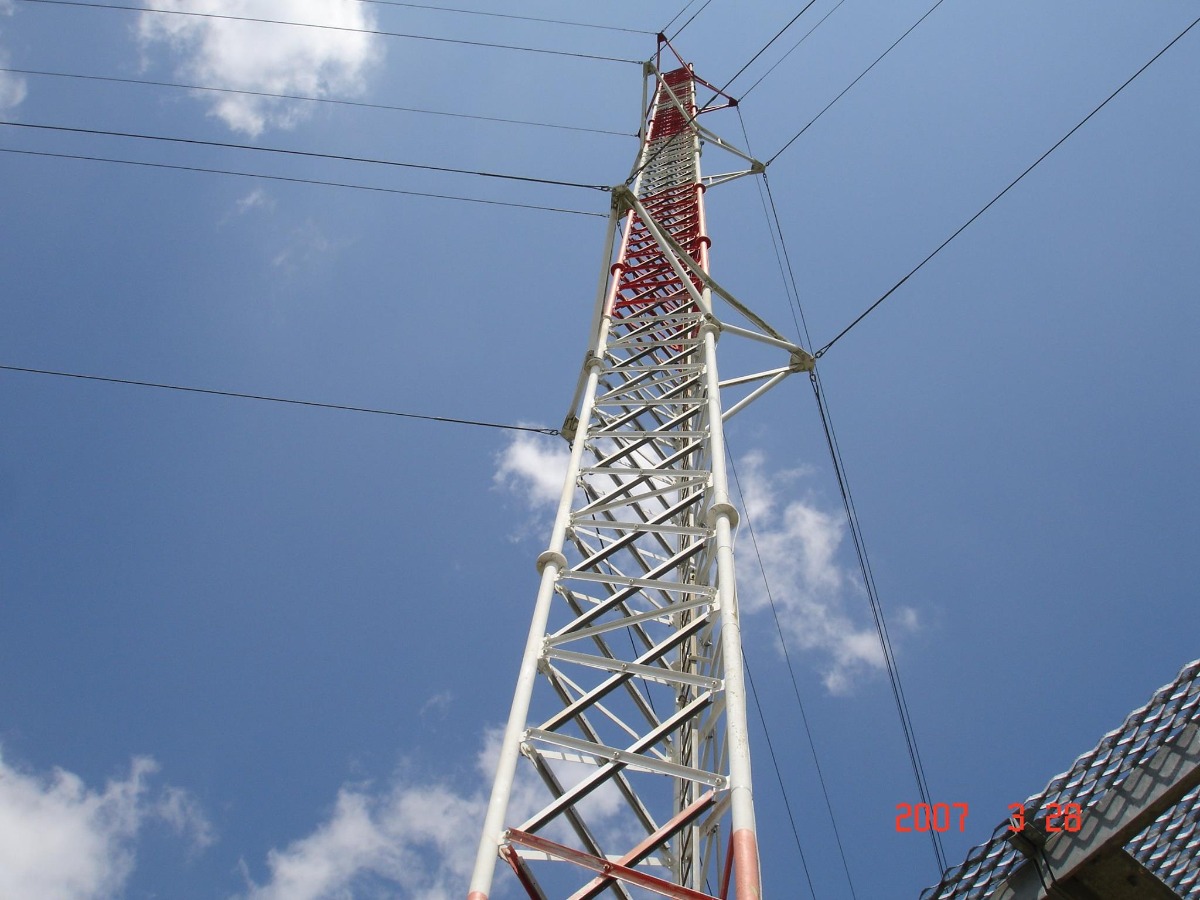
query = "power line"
{"x": 795, "y": 690}
{"x": 775, "y": 65}
{"x": 330, "y": 100}
{"x": 495, "y": 15}
{"x": 847, "y": 88}
{"x": 885, "y": 641}
{"x": 309, "y": 403}
{"x": 859, "y": 543}
{"x": 779, "y": 777}
{"x": 679, "y": 30}
{"x": 791, "y": 291}
{"x": 339, "y": 184}
{"x": 722, "y": 90}
{"x": 1010, "y": 186}
{"x": 675, "y": 17}
{"x": 767, "y": 45}
{"x": 342, "y": 28}
{"x": 309, "y": 154}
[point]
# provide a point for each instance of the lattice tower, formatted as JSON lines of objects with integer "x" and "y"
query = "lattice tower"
{"x": 630, "y": 705}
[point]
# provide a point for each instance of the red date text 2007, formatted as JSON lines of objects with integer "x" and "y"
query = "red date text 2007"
{"x": 925, "y": 816}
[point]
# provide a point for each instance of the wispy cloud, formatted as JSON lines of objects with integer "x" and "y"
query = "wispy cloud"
{"x": 800, "y": 547}
{"x": 61, "y": 839}
{"x": 417, "y": 838}
{"x": 277, "y": 59}
{"x": 437, "y": 705}
{"x": 12, "y": 86}
{"x": 304, "y": 246}
{"x": 820, "y": 601}
{"x": 533, "y": 468}
{"x": 256, "y": 199}
{"x": 412, "y": 837}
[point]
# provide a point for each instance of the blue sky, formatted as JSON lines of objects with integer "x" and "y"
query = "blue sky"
{"x": 252, "y": 650}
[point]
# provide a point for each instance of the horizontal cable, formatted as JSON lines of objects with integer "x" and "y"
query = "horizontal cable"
{"x": 495, "y": 15}
{"x": 339, "y": 102}
{"x": 309, "y": 154}
{"x": 340, "y": 184}
{"x": 1010, "y": 186}
{"x": 343, "y": 28}
{"x": 311, "y": 403}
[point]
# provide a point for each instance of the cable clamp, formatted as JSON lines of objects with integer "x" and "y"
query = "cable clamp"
{"x": 803, "y": 361}
{"x": 622, "y": 198}
{"x": 570, "y": 427}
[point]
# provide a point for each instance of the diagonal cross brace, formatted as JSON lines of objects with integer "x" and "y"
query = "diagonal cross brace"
{"x": 611, "y": 870}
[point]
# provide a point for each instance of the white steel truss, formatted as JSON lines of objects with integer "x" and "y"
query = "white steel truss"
{"x": 630, "y": 705}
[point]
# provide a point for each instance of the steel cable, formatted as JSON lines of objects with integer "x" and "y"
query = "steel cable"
{"x": 308, "y": 154}
{"x": 841, "y": 334}
{"x": 775, "y": 64}
{"x": 779, "y": 777}
{"x": 885, "y": 641}
{"x": 852, "y": 519}
{"x": 512, "y": 16}
{"x": 675, "y": 17}
{"x": 799, "y": 702}
{"x": 679, "y": 30}
{"x": 308, "y": 403}
{"x": 860, "y": 77}
{"x": 285, "y": 178}
{"x": 767, "y": 46}
{"x": 342, "y": 28}
{"x": 330, "y": 100}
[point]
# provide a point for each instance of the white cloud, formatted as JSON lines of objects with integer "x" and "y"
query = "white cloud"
{"x": 306, "y": 244}
{"x": 62, "y": 839}
{"x": 413, "y": 837}
{"x": 799, "y": 544}
{"x": 801, "y": 549}
{"x": 12, "y": 86}
{"x": 180, "y": 810}
{"x": 418, "y": 840}
{"x": 437, "y": 705}
{"x": 415, "y": 841}
{"x": 277, "y": 59}
{"x": 534, "y": 468}
{"x": 256, "y": 199}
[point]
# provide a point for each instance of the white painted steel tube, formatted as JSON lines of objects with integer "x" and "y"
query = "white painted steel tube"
{"x": 745, "y": 843}
{"x": 551, "y": 564}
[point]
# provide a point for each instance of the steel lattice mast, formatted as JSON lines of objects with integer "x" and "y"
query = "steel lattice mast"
{"x": 630, "y": 705}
